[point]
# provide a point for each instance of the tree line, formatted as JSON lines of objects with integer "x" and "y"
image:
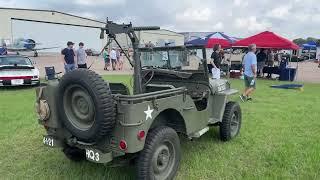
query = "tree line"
{"x": 301, "y": 41}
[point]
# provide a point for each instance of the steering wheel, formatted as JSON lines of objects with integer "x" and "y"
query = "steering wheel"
{"x": 148, "y": 69}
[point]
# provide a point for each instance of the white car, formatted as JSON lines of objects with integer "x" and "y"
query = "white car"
{"x": 17, "y": 71}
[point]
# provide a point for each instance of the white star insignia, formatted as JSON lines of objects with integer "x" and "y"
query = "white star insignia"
{"x": 204, "y": 38}
{"x": 148, "y": 113}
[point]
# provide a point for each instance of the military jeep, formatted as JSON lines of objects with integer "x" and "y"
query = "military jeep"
{"x": 173, "y": 94}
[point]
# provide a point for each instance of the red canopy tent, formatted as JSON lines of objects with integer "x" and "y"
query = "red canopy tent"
{"x": 267, "y": 40}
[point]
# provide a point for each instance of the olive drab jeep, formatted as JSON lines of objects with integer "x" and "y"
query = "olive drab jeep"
{"x": 103, "y": 122}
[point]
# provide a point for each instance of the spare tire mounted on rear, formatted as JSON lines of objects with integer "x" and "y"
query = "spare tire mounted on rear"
{"x": 85, "y": 105}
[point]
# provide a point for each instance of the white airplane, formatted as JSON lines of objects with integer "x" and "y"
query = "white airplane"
{"x": 22, "y": 45}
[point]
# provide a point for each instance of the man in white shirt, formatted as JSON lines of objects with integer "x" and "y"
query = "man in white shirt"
{"x": 113, "y": 57}
{"x": 81, "y": 56}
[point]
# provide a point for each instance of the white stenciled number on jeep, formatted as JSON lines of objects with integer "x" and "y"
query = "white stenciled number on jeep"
{"x": 91, "y": 155}
{"x": 48, "y": 141}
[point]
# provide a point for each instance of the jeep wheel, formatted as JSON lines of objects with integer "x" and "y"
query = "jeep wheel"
{"x": 161, "y": 155}
{"x": 74, "y": 154}
{"x": 85, "y": 105}
{"x": 231, "y": 122}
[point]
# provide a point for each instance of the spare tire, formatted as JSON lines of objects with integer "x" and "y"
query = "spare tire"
{"x": 85, "y": 105}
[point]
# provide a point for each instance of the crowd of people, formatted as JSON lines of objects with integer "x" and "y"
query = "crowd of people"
{"x": 114, "y": 58}
{"x": 266, "y": 58}
{"x": 72, "y": 59}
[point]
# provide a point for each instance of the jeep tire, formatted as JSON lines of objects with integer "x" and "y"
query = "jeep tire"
{"x": 231, "y": 122}
{"x": 85, "y": 105}
{"x": 161, "y": 155}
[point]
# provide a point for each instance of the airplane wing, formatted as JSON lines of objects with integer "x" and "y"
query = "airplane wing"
{"x": 39, "y": 49}
{"x": 25, "y": 49}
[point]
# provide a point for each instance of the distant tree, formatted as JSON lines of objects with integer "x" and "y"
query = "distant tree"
{"x": 300, "y": 41}
{"x": 312, "y": 39}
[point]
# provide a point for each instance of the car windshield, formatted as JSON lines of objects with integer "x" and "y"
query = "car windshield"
{"x": 24, "y": 61}
{"x": 172, "y": 59}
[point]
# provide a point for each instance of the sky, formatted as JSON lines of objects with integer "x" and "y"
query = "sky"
{"x": 239, "y": 18}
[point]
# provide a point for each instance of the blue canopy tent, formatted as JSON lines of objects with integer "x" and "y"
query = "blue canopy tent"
{"x": 210, "y": 40}
{"x": 310, "y": 45}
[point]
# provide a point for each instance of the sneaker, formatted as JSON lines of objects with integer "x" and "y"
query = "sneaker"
{"x": 243, "y": 98}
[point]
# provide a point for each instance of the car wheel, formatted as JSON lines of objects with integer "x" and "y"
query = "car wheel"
{"x": 231, "y": 122}
{"x": 161, "y": 155}
{"x": 74, "y": 154}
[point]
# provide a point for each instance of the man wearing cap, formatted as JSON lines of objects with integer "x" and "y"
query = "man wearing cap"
{"x": 68, "y": 60}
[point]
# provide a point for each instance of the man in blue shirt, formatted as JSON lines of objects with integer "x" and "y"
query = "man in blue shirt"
{"x": 250, "y": 73}
{"x": 68, "y": 59}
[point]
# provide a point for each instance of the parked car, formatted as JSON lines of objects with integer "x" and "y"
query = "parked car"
{"x": 18, "y": 70}
{"x": 92, "y": 52}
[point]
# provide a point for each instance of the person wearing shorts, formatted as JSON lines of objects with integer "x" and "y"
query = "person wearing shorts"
{"x": 113, "y": 57}
{"x": 250, "y": 73}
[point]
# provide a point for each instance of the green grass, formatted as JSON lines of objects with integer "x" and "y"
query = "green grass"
{"x": 279, "y": 139}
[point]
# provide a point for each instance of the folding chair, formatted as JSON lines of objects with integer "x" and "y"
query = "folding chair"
{"x": 51, "y": 73}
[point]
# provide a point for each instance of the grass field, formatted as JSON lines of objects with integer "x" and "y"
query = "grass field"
{"x": 279, "y": 139}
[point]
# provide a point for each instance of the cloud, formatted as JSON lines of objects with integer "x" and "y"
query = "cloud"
{"x": 243, "y": 3}
{"x": 192, "y": 14}
{"x": 280, "y": 12}
{"x": 99, "y": 2}
{"x": 251, "y": 24}
{"x": 234, "y": 17}
{"x": 218, "y": 26}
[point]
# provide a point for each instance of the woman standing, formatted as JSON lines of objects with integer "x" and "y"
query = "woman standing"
{"x": 216, "y": 58}
{"x": 106, "y": 58}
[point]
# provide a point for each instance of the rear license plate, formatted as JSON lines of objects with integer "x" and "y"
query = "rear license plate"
{"x": 17, "y": 81}
{"x": 48, "y": 141}
{"x": 93, "y": 155}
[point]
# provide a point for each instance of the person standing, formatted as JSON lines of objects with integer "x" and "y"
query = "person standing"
{"x": 270, "y": 61}
{"x": 68, "y": 57}
{"x": 261, "y": 60}
{"x": 106, "y": 58}
{"x": 121, "y": 60}
{"x": 216, "y": 59}
{"x": 81, "y": 56}
{"x": 113, "y": 57}
{"x": 118, "y": 58}
{"x": 250, "y": 73}
{"x": 216, "y": 56}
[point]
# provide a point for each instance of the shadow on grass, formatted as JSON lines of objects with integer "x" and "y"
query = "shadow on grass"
{"x": 87, "y": 170}
{"x": 16, "y": 88}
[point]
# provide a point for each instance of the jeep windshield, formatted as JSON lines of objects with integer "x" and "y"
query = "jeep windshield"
{"x": 171, "y": 58}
